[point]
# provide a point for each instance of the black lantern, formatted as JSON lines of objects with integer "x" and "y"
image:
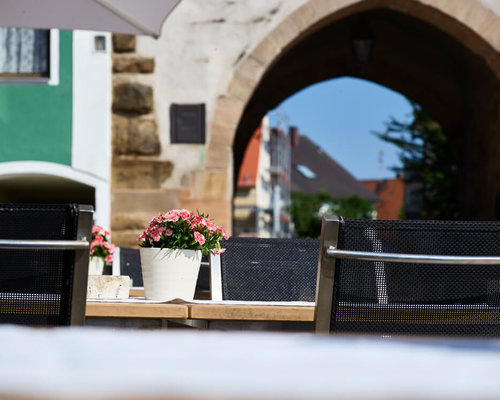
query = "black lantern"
{"x": 363, "y": 41}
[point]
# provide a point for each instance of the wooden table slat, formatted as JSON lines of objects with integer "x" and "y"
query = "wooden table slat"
{"x": 251, "y": 312}
{"x": 136, "y": 310}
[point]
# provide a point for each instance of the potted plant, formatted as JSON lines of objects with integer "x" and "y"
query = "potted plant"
{"x": 101, "y": 250}
{"x": 171, "y": 248}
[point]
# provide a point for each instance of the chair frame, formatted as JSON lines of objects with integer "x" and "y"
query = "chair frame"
{"x": 215, "y": 277}
{"x": 329, "y": 253}
{"x": 326, "y": 273}
{"x": 117, "y": 262}
{"x": 82, "y": 252}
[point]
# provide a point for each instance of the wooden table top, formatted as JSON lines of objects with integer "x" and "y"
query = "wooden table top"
{"x": 136, "y": 310}
{"x": 203, "y": 310}
{"x": 252, "y": 312}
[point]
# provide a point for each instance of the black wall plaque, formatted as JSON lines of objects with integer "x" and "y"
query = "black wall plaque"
{"x": 187, "y": 123}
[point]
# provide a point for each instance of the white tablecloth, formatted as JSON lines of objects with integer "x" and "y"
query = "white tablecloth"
{"x": 138, "y": 300}
{"x": 83, "y": 363}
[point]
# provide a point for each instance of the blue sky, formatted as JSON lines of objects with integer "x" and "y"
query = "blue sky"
{"x": 340, "y": 114}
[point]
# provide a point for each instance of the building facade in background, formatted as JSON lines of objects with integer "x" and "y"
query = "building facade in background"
{"x": 169, "y": 126}
{"x": 262, "y": 194}
{"x": 313, "y": 170}
{"x": 55, "y": 118}
{"x": 391, "y": 197}
{"x": 238, "y": 60}
{"x": 275, "y": 164}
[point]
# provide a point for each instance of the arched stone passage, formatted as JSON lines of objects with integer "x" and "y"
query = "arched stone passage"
{"x": 41, "y": 188}
{"x": 443, "y": 55}
{"x": 43, "y": 182}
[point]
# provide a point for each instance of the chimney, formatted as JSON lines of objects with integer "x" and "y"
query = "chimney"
{"x": 294, "y": 136}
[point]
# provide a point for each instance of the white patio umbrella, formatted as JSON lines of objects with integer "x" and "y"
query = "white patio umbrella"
{"x": 137, "y": 17}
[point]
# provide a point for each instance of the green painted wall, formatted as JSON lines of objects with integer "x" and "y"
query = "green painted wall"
{"x": 35, "y": 119}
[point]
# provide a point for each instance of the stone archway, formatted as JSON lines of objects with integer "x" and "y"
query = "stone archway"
{"x": 42, "y": 182}
{"x": 462, "y": 80}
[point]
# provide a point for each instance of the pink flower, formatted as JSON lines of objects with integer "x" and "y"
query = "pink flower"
{"x": 158, "y": 219}
{"x": 204, "y": 222}
{"x": 96, "y": 229}
{"x": 100, "y": 245}
{"x": 210, "y": 225}
{"x": 110, "y": 247}
{"x": 98, "y": 240}
{"x": 172, "y": 216}
{"x": 184, "y": 214}
{"x": 199, "y": 238}
{"x": 170, "y": 230}
{"x": 222, "y": 232}
{"x": 220, "y": 251}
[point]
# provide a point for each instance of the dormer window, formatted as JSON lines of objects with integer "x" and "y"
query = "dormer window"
{"x": 306, "y": 171}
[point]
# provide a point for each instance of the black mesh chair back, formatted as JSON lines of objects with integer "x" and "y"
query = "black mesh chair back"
{"x": 452, "y": 287}
{"x": 259, "y": 269}
{"x": 44, "y": 257}
{"x": 130, "y": 264}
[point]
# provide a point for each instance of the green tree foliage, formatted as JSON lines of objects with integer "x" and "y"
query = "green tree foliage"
{"x": 307, "y": 211}
{"x": 428, "y": 159}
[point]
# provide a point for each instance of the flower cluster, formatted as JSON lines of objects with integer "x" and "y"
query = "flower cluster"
{"x": 182, "y": 229}
{"x": 101, "y": 245}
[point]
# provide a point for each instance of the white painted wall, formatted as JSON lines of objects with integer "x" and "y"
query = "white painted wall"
{"x": 493, "y": 5}
{"x": 263, "y": 186}
{"x": 91, "y": 141}
{"x": 201, "y": 42}
{"x": 54, "y": 57}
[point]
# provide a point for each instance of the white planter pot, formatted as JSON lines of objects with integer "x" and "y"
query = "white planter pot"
{"x": 169, "y": 274}
{"x": 96, "y": 266}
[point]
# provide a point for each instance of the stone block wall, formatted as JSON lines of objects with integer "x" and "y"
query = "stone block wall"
{"x": 137, "y": 173}
{"x": 143, "y": 183}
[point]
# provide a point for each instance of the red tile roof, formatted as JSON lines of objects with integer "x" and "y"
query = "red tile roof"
{"x": 250, "y": 164}
{"x": 391, "y": 196}
{"x": 328, "y": 174}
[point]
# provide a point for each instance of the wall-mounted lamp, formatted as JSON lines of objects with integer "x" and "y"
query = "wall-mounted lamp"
{"x": 363, "y": 41}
